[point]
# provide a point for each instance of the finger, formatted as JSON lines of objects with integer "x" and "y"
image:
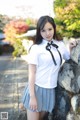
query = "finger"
{"x": 34, "y": 107}
{"x": 73, "y": 43}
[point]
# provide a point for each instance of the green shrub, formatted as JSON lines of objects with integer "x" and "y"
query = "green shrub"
{"x": 19, "y": 48}
{"x": 67, "y": 17}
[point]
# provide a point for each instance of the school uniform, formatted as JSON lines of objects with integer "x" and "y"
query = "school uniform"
{"x": 48, "y": 63}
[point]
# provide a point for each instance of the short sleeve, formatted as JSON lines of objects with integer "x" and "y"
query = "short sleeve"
{"x": 33, "y": 55}
{"x": 66, "y": 53}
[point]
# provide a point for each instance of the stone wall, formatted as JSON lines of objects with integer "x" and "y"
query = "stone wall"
{"x": 68, "y": 91}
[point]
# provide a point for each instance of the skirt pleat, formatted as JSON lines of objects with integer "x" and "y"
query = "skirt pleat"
{"x": 45, "y": 98}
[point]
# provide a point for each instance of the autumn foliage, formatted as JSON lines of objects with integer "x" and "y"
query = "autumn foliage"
{"x": 68, "y": 17}
{"x": 14, "y": 28}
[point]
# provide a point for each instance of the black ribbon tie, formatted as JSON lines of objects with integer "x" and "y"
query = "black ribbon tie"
{"x": 48, "y": 47}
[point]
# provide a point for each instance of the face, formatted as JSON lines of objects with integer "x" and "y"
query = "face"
{"x": 47, "y": 32}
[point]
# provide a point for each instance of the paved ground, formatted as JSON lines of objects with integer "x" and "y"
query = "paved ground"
{"x": 13, "y": 78}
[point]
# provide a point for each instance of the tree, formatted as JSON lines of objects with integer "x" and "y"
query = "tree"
{"x": 11, "y": 30}
{"x": 67, "y": 17}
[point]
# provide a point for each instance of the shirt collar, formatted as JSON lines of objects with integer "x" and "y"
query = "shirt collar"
{"x": 45, "y": 41}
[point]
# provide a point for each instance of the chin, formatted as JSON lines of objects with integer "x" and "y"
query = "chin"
{"x": 49, "y": 39}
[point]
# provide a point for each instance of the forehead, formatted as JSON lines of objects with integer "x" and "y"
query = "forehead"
{"x": 47, "y": 25}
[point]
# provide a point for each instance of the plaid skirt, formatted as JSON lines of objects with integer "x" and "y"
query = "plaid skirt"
{"x": 45, "y": 98}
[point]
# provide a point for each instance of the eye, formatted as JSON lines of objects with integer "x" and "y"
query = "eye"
{"x": 43, "y": 30}
{"x": 50, "y": 29}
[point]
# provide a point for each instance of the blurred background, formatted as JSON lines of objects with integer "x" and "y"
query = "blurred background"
{"x": 18, "y": 20}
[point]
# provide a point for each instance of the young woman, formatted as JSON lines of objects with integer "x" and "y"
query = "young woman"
{"x": 44, "y": 59}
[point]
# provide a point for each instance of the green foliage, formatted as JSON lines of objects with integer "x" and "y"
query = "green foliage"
{"x": 31, "y": 21}
{"x": 68, "y": 17}
{"x": 28, "y": 21}
{"x": 19, "y": 49}
{"x": 61, "y": 3}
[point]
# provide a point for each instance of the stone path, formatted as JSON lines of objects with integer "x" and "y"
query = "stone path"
{"x": 13, "y": 78}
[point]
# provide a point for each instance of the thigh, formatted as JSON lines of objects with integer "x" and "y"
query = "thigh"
{"x": 32, "y": 115}
{"x": 43, "y": 115}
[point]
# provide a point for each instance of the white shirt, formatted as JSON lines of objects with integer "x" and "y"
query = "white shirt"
{"x": 46, "y": 70}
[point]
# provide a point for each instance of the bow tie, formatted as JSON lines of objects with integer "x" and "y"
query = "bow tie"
{"x": 48, "y": 47}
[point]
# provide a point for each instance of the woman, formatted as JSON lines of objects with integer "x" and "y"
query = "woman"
{"x": 44, "y": 59}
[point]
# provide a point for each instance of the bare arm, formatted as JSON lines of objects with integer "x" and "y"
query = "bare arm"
{"x": 32, "y": 73}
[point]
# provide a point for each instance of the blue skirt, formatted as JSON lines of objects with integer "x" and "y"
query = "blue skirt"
{"x": 45, "y": 98}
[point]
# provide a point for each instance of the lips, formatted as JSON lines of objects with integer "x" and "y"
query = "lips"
{"x": 49, "y": 37}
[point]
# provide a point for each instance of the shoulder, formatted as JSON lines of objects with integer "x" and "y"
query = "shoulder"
{"x": 59, "y": 43}
{"x": 34, "y": 47}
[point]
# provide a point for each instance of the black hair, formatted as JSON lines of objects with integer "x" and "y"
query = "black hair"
{"x": 40, "y": 25}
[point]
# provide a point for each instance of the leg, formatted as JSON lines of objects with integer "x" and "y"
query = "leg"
{"x": 32, "y": 115}
{"x": 42, "y": 115}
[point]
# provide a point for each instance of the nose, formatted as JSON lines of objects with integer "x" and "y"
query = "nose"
{"x": 47, "y": 32}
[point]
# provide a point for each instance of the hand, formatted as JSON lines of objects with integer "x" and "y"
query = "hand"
{"x": 73, "y": 43}
{"x": 33, "y": 103}
{"x": 21, "y": 106}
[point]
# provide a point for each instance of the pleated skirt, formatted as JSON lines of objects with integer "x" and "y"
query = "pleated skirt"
{"x": 45, "y": 99}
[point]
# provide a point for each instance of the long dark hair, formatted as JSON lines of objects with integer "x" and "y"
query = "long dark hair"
{"x": 40, "y": 25}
